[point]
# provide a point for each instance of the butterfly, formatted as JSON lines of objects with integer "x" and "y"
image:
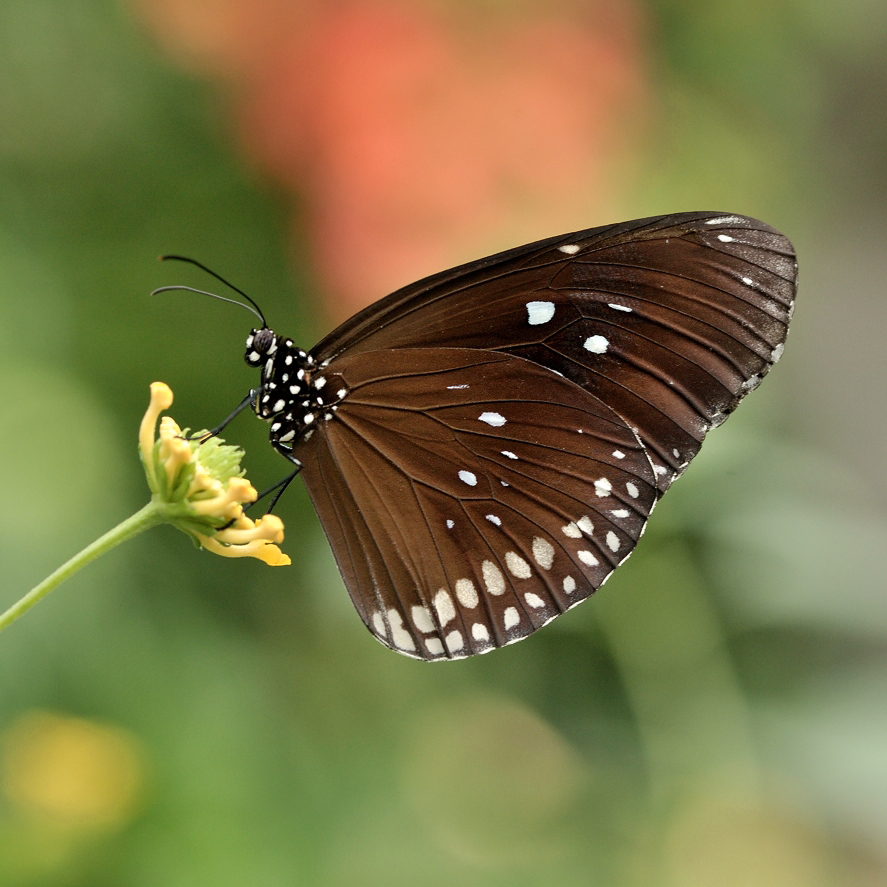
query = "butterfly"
{"x": 484, "y": 447}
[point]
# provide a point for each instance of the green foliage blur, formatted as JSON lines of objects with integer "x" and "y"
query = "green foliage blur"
{"x": 717, "y": 715}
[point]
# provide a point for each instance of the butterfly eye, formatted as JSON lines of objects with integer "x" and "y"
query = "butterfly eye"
{"x": 259, "y": 345}
{"x": 484, "y": 447}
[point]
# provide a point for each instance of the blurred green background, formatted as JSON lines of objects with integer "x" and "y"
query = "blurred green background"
{"x": 716, "y": 717}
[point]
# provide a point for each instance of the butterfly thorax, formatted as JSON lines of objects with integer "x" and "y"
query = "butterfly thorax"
{"x": 295, "y": 395}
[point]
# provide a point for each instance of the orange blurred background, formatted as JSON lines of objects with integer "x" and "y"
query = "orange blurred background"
{"x": 413, "y": 136}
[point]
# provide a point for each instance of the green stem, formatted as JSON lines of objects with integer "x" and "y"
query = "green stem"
{"x": 143, "y": 519}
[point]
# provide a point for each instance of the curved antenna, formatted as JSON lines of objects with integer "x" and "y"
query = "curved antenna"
{"x": 191, "y": 289}
{"x": 202, "y": 267}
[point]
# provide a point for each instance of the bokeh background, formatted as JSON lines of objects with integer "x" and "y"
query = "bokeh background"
{"x": 716, "y": 717}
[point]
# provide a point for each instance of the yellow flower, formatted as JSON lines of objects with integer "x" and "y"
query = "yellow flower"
{"x": 200, "y": 486}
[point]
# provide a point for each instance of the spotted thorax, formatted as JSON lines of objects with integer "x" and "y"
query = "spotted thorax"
{"x": 295, "y": 393}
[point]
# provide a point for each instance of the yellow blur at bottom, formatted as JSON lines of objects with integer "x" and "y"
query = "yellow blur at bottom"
{"x": 65, "y": 783}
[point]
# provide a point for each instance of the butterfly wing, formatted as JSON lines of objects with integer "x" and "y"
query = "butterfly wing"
{"x": 471, "y": 496}
{"x": 670, "y": 320}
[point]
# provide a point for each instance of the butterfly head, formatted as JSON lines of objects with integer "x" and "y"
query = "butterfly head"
{"x": 284, "y": 370}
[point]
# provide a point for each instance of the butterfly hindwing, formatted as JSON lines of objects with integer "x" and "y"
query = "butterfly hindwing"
{"x": 471, "y": 496}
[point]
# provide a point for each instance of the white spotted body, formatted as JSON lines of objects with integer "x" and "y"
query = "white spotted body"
{"x": 294, "y": 394}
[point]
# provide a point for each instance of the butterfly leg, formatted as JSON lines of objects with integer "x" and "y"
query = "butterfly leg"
{"x": 249, "y": 400}
{"x": 280, "y": 487}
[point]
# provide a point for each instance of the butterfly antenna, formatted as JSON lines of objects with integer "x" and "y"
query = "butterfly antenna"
{"x": 191, "y": 289}
{"x": 202, "y": 267}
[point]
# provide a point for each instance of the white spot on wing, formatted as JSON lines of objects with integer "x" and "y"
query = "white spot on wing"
{"x": 534, "y": 601}
{"x": 776, "y": 353}
{"x": 435, "y": 647}
{"x": 509, "y": 454}
{"x": 493, "y": 578}
{"x": 466, "y": 592}
{"x": 517, "y": 566}
{"x": 725, "y": 238}
{"x": 618, "y": 454}
{"x": 613, "y": 542}
{"x": 468, "y": 478}
{"x": 402, "y": 638}
{"x": 450, "y": 524}
{"x": 443, "y": 604}
{"x": 616, "y": 307}
{"x": 539, "y": 312}
{"x": 587, "y": 558}
{"x": 596, "y": 344}
{"x": 493, "y": 519}
{"x": 454, "y": 641}
{"x": 456, "y": 387}
{"x": 570, "y": 249}
{"x": 422, "y": 619}
{"x": 586, "y": 525}
{"x": 603, "y": 487}
{"x": 479, "y": 632}
{"x": 569, "y": 584}
{"x": 379, "y": 624}
{"x": 497, "y": 420}
{"x": 572, "y": 531}
{"x": 543, "y": 552}
{"x": 511, "y": 618}
{"x": 722, "y": 220}
{"x": 632, "y": 490}
{"x": 747, "y": 281}
{"x": 620, "y": 512}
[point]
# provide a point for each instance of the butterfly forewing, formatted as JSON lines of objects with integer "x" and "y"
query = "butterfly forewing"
{"x": 669, "y": 321}
{"x": 471, "y": 496}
